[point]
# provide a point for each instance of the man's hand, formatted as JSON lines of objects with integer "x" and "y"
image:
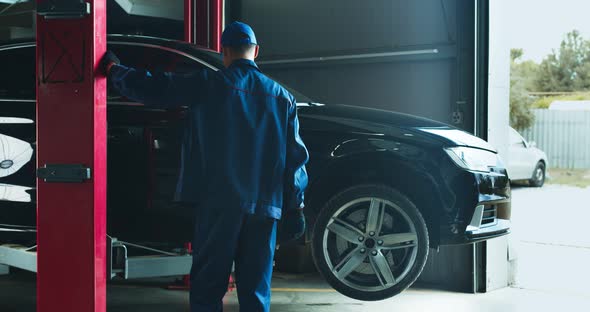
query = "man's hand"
{"x": 292, "y": 226}
{"x": 108, "y": 60}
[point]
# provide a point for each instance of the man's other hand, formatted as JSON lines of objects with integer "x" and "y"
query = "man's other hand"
{"x": 292, "y": 226}
{"x": 108, "y": 60}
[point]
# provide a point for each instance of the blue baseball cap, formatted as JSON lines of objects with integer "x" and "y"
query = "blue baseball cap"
{"x": 237, "y": 34}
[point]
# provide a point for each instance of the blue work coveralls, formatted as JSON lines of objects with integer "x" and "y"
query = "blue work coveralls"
{"x": 244, "y": 163}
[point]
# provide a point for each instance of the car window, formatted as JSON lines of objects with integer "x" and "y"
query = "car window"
{"x": 20, "y": 63}
{"x": 515, "y": 138}
{"x": 18, "y": 73}
{"x": 152, "y": 59}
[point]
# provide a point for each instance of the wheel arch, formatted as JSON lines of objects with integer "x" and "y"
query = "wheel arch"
{"x": 367, "y": 168}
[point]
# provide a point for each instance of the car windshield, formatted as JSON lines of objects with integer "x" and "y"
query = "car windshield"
{"x": 217, "y": 58}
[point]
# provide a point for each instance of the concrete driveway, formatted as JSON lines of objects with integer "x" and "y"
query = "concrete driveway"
{"x": 551, "y": 238}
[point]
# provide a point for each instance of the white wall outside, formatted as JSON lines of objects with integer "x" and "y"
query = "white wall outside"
{"x": 499, "y": 78}
{"x": 499, "y": 270}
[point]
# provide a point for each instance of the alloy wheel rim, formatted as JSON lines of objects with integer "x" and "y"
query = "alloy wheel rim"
{"x": 373, "y": 254}
{"x": 539, "y": 174}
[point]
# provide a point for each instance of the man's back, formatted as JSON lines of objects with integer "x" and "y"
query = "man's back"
{"x": 242, "y": 125}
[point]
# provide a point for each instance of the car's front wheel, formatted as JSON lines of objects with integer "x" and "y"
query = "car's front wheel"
{"x": 370, "y": 242}
{"x": 538, "y": 178}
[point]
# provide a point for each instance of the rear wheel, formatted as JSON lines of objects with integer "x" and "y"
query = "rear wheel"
{"x": 370, "y": 242}
{"x": 538, "y": 178}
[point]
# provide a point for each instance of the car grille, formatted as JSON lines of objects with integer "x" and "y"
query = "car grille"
{"x": 483, "y": 216}
{"x": 489, "y": 216}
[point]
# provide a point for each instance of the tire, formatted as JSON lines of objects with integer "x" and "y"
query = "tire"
{"x": 538, "y": 177}
{"x": 395, "y": 244}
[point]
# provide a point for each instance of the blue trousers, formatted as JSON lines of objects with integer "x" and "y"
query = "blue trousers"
{"x": 223, "y": 236}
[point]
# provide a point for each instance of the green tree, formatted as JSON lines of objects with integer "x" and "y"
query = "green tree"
{"x": 567, "y": 69}
{"x": 522, "y": 78}
{"x": 521, "y": 115}
{"x": 527, "y": 72}
{"x": 516, "y": 54}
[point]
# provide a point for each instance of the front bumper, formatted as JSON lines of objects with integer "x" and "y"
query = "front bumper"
{"x": 501, "y": 228}
{"x": 482, "y": 211}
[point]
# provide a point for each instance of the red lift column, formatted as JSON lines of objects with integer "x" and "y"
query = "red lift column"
{"x": 188, "y": 21}
{"x": 71, "y": 156}
{"x": 208, "y": 22}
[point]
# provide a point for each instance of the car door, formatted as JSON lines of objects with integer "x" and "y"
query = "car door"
{"x": 144, "y": 154}
{"x": 17, "y": 140}
{"x": 519, "y": 157}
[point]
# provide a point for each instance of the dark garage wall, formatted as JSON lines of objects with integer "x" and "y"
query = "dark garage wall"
{"x": 438, "y": 86}
{"x": 346, "y": 24}
{"x": 420, "y": 88}
{"x": 429, "y": 85}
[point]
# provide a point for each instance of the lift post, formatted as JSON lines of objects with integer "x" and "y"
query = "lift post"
{"x": 203, "y": 23}
{"x": 71, "y": 156}
{"x": 189, "y": 21}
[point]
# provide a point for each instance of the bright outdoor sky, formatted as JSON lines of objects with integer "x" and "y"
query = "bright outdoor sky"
{"x": 537, "y": 26}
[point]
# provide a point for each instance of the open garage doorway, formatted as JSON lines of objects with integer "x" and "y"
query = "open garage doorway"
{"x": 547, "y": 150}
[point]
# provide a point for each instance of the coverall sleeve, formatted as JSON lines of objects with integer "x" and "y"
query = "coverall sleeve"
{"x": 297, "y": 157}
{"x": 162, "y": 90}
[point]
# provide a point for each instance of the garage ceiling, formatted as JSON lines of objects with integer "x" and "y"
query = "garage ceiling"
{"x": 159, "y": 18}
{"x": 16, "y": 19}
{"x": 154, "y": 8}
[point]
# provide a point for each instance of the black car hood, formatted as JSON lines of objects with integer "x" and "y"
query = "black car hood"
{"x": 381, "y": 122}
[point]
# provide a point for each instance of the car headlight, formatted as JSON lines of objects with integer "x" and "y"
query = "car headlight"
{"x": 473, "y": 158}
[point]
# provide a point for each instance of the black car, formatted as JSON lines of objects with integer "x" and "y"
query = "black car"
{"x": 384, "y": 186}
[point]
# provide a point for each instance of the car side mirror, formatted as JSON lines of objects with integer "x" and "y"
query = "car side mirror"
{"x": 532, "y": 144}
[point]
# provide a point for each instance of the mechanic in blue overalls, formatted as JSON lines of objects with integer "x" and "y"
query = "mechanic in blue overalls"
{"x": 242, "y": 160}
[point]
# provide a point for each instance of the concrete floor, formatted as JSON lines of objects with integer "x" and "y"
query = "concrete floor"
{"x": 550, "y": 236}
{"x": 306, "y": 293}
